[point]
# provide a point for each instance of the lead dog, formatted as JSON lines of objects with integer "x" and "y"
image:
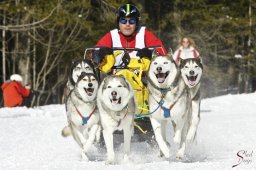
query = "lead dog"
{"x": 82, "y": 113}
{"x": 117, "y": 107}
{"x": 168, "y": 101}
{"x": 191, "y": 71}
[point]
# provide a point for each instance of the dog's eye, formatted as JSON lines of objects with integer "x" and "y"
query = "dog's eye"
{"x": 155, "y": 63}
{"x": 93, "y": 79}
{"x": 166, "y": 62}
{"x": 196, "y": 66}
{"x": 78, "y": 68}
{"x": 85, "y": 80}
{"x": 119, "y": 86}
{"x": 87, "y": 68}
{"x": 109, "y": 87}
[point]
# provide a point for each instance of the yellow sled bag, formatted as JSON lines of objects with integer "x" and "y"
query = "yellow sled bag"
{"x": 140, "y": 91}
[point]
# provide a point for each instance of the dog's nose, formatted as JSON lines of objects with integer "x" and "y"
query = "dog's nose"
{"x": 191, "y": 72}
{"x": 159, "y": 69}
{"x": 90, "y": 84}
{"x": 113, "y": 93}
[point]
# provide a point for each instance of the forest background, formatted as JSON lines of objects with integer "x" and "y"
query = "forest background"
{"x": 40, "y": 38}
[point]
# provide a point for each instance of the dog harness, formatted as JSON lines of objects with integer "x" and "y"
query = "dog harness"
{"x": 139, "y": 43}
{"x": 85, "y": 119}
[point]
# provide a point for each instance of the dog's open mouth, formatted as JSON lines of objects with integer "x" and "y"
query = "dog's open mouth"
{"x": 116, "y": 101}
{"x": 192, "y": 80}
{"x": 89, "y": 91}
{"x": 161, "y": 76}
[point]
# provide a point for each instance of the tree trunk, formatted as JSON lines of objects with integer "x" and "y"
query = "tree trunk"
{"x": 3, "y": 48}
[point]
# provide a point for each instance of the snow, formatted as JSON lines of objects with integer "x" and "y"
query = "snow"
{"x": 30, "y": 138}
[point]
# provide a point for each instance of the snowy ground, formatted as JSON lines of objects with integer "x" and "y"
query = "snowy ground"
{"x": 30, "y": 140}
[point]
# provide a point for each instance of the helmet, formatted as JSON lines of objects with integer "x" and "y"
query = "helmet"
{"x": 128, "y": 10}
{"x": 16, "y": 77}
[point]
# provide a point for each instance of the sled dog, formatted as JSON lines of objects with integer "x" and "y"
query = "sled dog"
{"x": 82, "y": 113}
{"x": 78, "y": 66}
{"x": 191, "y": 71}
{"x": 117, "y": 107}
{"x": 168, "y": 101}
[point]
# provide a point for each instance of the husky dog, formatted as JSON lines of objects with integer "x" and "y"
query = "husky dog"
{"x": 191, "y": 71}
{"x": 117, "y": 107}
{"x": 78, "y": 66}
{"x": 82, "y": 113}
{"x": 168, "y": 101}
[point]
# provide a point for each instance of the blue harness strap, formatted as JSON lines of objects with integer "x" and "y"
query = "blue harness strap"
{"x": 147, "y": 114}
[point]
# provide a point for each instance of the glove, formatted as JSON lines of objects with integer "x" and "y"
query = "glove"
{"x": 144, "y": 52}
{"x": 105, "y": 51}
{"x": 98, "y": 56}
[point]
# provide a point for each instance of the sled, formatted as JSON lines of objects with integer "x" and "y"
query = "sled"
{"x": 135, "y": 73}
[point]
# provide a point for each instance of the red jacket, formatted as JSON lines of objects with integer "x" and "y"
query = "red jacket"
{"x": 13, "y": 93}
{"x": 129, "y": 42}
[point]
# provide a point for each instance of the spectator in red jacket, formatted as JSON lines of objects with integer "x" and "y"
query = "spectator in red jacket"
{"x": 129, "y": 34}
{"x": 14, "y": 92}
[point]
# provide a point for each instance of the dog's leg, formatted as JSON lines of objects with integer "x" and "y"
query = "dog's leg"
{"x": 178, "y": 131}
{"x": 194, "y": 121}
{"x": 92, "y": 134}
{"x": 182, "y": 147}
{"x": 127, "y": 141}
{"x": 108, "y": 137}
{"x": 163, "y": 132}
{"x": 98, "y": 135}
{"x": 79, "y": 138}
{"x": 156, "y": 125}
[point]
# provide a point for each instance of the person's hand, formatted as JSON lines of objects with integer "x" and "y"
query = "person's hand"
{"x": 28, "y": 87}
{"x": 105, "y": 51}
{"x": 144, "y": 52}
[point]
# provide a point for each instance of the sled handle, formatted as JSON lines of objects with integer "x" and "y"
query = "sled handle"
{"x": 122, "y": 49}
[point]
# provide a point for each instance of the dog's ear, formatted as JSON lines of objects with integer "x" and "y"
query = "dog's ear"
{"x": 199, "y": 61}
{"x": 181, "y": 63}
{"x": 154, "y": 54}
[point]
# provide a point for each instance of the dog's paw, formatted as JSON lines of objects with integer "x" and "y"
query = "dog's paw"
{"x": 179, "y": 156}
{"x": 166, "y": 153}
{"x": 109, "y": 162}
{"x": 84, "y": 157}
{"x": 126, "y": 158}
{"x": 161, "y": 154}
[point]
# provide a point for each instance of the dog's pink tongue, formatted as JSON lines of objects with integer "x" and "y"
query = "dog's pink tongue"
{"x": 192, "y": 83}
{"x": 160, "y": 79}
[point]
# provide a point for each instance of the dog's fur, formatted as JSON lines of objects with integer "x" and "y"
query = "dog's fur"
{"x": 167, "y": 86}
{"x": 81, "y": 102}
{"x": 78, "y": 66}
{"x": 117, "y": 106}
{"x": 191, "y": 71}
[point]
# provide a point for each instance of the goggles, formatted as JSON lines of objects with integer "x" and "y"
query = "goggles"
{"x": 124, "y": 21}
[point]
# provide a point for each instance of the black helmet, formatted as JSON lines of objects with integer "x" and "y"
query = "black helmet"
{"x": 128, "y": 10}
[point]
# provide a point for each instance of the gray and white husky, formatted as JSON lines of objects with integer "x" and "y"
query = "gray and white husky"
{"x": 168, "y": 102}
{"x": 191, "y": 71}
{"x": 78, "y": 66}
{"x": 117, "y": 107}
{"x": 82, "y": 113}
